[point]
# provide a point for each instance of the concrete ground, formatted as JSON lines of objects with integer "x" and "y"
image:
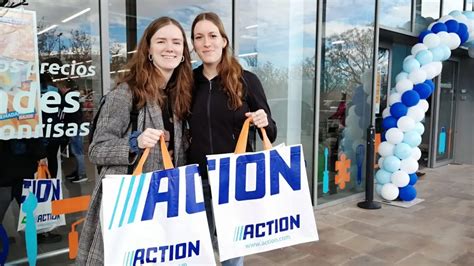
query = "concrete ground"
{"x": 438, "y": 231}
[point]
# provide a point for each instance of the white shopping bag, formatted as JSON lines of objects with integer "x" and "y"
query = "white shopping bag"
{"x": 156, "y": 218}
{"x": 261, "y": 200}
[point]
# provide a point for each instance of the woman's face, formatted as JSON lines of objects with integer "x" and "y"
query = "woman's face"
{"x": 166, "y": 48}
{"x": 208, "y": 42}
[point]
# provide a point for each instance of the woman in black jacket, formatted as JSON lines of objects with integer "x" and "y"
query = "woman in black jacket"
{"x": 224, "y": 96}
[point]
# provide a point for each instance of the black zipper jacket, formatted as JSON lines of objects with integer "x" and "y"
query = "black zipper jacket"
{"x": 214, "y": 127}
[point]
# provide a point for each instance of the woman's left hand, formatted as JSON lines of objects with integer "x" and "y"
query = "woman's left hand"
{"x": 259, "y": 118}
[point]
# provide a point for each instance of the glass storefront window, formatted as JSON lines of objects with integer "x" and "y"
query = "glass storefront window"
{"x": 470, "y": 5}
{"x": 68, "y": 58}
{"x": 346, "y": 85}
{"x": 284, "y": 63}
{"x": 145, "y": 12}
{"x": 452, "y": 5}
{"x": 427, "y": 11}
{"x": 396, "y": 14}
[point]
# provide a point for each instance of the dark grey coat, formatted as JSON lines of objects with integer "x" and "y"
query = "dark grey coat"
{"x": 110, "y": 148}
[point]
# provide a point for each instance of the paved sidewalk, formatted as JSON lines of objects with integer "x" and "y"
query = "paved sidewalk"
{"x": 438, "y": 231}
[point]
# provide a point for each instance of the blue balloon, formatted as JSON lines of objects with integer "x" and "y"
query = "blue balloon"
{"x": 402, "y": 150}
{"x": 423, "y": 90}
{"x": 412, "y": 138}
{"x": 439, "y": 26}
{"x": 437, "y": 53}
{"x": 410, "y": 65}
{"x": 463, "y": 32}
{"x": 382, "y": 176}
{"x": 424, "y": 57}
{"x": 419, "y": 128}
{"x": 413, "y": 179}
{"x": 410, "y": 98}
{"x": 407, "y": 193}
{"x": 391, "y": 164}
{"x": 422, "y": 35}
{"x": 398, "y": 110}
{"x": 430, "y": 83}
{"x": 452, "y": 25}
{"x": 389, "y": 122}
{"x": 378, "y": 189}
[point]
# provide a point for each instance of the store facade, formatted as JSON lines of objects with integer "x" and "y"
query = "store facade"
{"x": 313, "y": 57}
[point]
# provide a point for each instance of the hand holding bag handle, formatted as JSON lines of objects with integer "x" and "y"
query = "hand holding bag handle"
{"x": 42, "y": 171}
{"x": 167, "y": 163}
{"x": 241, "y": 146}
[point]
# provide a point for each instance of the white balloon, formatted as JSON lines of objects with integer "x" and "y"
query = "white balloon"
{"x": 409, "y": 165}
{"x": 394, "y": 98}
{"x": 455, "y": 41}
{"x": 386, "y": 149}
{"x": 389, "y": 191}
{"x": 416, "y": 153}
{"x": 400, "y": 178}
{"x": 418, "y": 47}
{"x": 406, "y": 123}
{"x": 429, "y": 70}
{"x": 445, "y": 18}
{"x": 401, "y": 75}
{"x": 404, "y": 85}
{"x": 444, "y": 37}
{"x": 386, "y": 112}
{"x": 417, "y": 76}
{"x": 431, "y": 40}
{"x": 416, "y": 113}
{"x": 419, "y": 128}
{"x": 424, "y": 105}
{"x": 394, "y": 135}
{"x": 437, "y": 66}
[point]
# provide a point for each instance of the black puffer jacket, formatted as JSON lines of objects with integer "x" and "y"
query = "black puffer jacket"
{"x": 214, "y": 127}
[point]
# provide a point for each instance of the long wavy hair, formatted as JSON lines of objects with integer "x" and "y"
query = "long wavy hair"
{"x": 145, "y": 80}
{"x": 229, "y": 69}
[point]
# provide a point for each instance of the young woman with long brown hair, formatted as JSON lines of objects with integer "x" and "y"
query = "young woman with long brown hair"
{"x": 224, "y": 96}
{"x": 158, "y": 84}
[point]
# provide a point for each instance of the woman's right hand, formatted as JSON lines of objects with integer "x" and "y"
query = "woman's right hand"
{"x": 149, "y": 138}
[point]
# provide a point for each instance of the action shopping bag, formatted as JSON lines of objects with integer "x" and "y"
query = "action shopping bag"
{"x": 46, "y": 190}
{"x": 156, "y": 218}
{"x": 261, "y": 200}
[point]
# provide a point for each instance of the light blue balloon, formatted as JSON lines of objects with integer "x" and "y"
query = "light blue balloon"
{"x": 424, "y": 57}
{"x": 382, "y": 176}
{"x": 378, "y": 189}
{"x": 402, "y": 150}
{"x": 419, "y": 128}
{"x": 410, "y": 65}
{"x": 455, "y": 13}
{"x": 391, "y": 164}
{"x": 437, "y": 53}
{"x": 447, "y": 52}
{"x": 469, "y": 14}
{"x": 412, "y": 138}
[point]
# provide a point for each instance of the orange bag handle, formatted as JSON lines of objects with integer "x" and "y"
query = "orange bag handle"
{"x": 241, "y": 146}
{"x": 42, "y": 171}
{"x": 167, "y": 163}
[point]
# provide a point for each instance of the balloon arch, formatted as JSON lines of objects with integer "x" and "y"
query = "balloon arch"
{"x": 407, "y": 104}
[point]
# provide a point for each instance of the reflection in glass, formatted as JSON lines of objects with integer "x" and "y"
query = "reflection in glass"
{"x": 427, "y": 11}
{"x": 345, "y": 92}
{"x": 470, "y": 5}
{"x": 68, "y": 38}
{"x": 284, "y": 62}
{"x": 452, "y": 5}
{"x": 382, "y": 80}
{"x": 445, "y": 130}
{"x": 147, "y": 11}
{"x": 396, "y": 14}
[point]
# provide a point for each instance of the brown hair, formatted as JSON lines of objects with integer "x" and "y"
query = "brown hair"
{"x": 229, "y": 69}
{"x": 145, "y": 80}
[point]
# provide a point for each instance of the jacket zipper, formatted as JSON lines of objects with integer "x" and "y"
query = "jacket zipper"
{"x": 209, "y": 116}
